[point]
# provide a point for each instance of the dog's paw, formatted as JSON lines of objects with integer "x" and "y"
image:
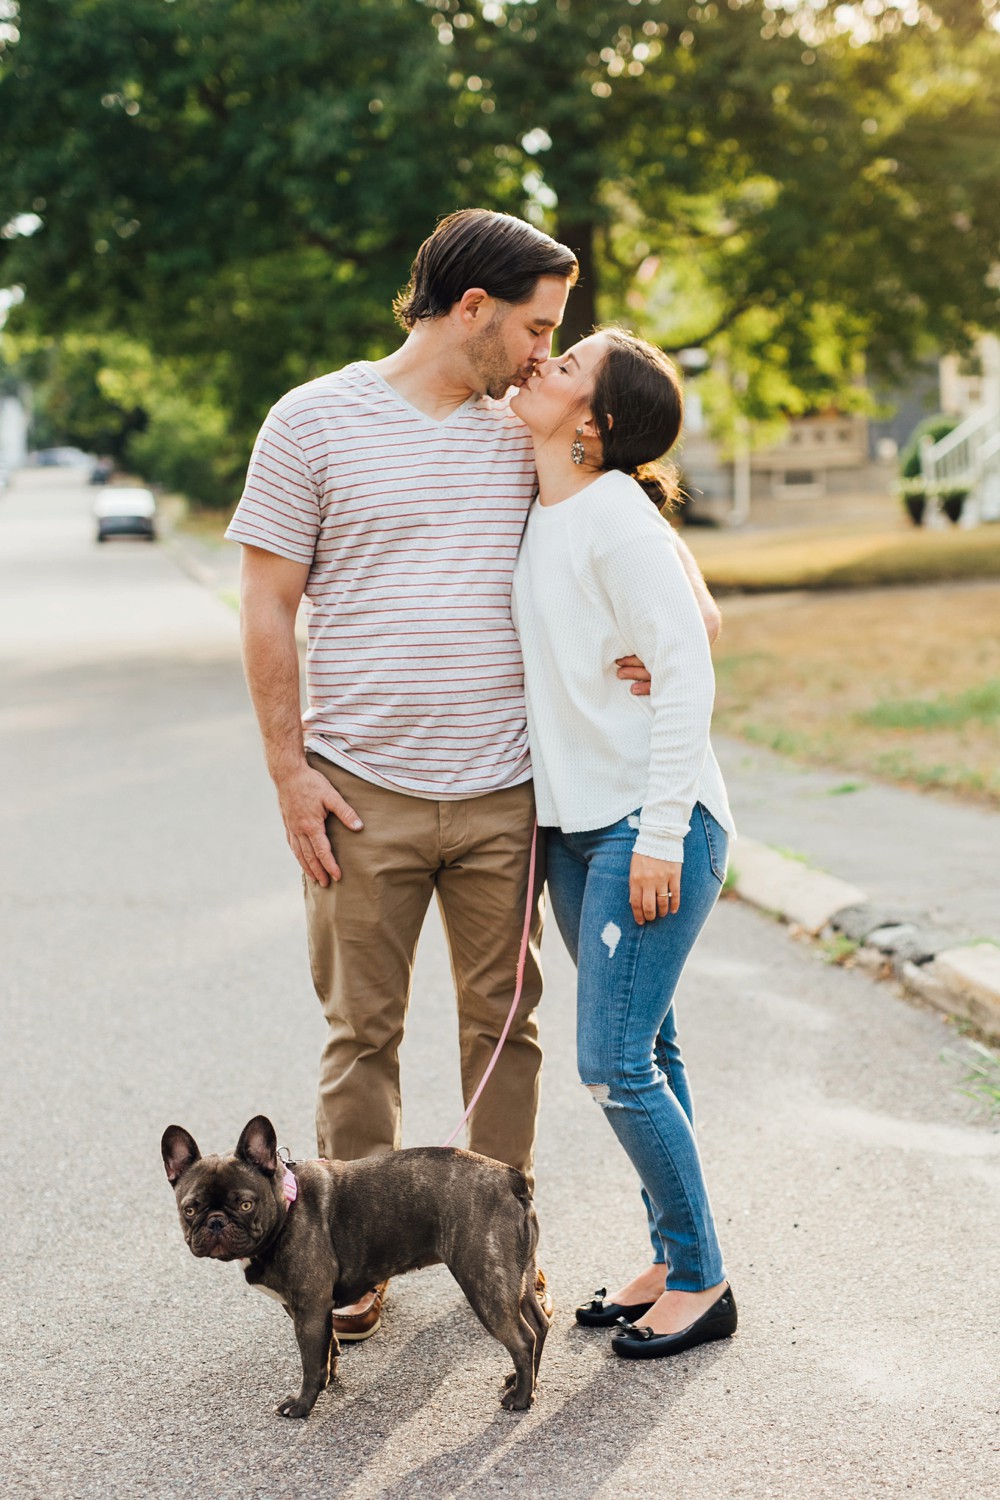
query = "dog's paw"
{"x": 510, "y": 1401}
{"x": 295, "y": 1406}
{"x": 510, "y": 1382}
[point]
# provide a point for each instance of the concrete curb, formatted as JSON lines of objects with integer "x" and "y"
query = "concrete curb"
{"x": 937, "y": 964}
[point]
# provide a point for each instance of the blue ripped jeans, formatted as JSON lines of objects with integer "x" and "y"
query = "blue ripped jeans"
{"x": 627, "y": 1050}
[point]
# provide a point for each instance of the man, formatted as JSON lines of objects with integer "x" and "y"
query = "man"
{"x": 393, "y": 495}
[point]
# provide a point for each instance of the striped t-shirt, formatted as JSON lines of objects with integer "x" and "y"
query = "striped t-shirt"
{"x": 410, "y": 527}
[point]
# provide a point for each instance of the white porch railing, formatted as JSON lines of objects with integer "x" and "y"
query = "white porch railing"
{"x": 968, "y": 458}
{"x": 988, "y": 486}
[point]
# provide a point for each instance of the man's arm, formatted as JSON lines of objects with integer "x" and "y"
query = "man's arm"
{"x": 630, "y": 668}
{"x": 270, "y": 592}
{"x": 710, "y": 612}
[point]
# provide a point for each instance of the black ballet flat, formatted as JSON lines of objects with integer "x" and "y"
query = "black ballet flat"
{"x": 600, "y": 1314}
{"x": 719, "y": 1322}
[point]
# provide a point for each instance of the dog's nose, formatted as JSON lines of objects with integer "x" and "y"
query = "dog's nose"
{"x": 216, "y": 1223}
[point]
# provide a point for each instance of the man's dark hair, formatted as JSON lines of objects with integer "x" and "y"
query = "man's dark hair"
{"x": 476, "y": 247}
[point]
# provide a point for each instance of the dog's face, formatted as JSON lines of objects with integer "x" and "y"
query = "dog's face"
{"x": 228, "y": 1205}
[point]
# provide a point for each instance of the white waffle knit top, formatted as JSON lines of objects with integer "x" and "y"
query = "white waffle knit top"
{"x": 598, "y": 577}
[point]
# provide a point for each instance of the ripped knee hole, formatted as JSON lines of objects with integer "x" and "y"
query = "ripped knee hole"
{"x": 601, "y": 1094}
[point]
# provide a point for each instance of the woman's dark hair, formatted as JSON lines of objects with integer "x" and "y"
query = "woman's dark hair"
{"x": 476, "y": 247}
{"x": 638, "y": 409}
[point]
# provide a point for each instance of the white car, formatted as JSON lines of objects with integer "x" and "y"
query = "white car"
{"x": 126, "y": 512}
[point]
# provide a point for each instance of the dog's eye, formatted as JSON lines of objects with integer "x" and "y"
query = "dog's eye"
{"x": 189, "y": 1211}
{"x": 247, "y": 1206}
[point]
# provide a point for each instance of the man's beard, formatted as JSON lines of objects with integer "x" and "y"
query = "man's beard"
{"x": 489, "y": 358}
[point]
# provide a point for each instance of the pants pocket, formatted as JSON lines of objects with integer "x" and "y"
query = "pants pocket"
{"x": 718, "y": 843}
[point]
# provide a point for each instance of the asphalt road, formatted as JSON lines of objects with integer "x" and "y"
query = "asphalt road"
{"x": 154, "y": 971}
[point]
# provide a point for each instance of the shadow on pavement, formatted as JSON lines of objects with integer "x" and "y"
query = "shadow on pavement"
{"x": 595, "y": 1431}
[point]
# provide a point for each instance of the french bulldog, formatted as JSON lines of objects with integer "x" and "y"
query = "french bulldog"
{"x": 319, "y": 1234}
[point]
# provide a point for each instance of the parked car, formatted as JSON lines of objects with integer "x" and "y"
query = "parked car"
{"x": 126, "y": 512}
{"x": 102, "y": 471}
{"x": 62, "y": 458}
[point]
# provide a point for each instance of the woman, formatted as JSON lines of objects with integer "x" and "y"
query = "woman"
{"x": 630, "y": 792}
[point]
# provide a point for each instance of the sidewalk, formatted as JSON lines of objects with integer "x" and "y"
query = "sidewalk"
{"x": 913, "y": 879}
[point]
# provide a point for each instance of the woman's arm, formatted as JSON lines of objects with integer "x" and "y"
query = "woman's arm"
{"x": 646, "y": 586}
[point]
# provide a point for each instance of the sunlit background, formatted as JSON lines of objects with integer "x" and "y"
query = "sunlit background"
{"x": 206, "y": 202}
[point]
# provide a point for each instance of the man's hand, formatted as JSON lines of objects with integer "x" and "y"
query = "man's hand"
{"x": 270, "y": 591}
{"x": 631, "y": 669}
{"x": 654, "y": 887}
{"x": 306, "y": 797}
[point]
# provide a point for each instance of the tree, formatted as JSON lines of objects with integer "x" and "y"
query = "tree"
{"x": 222, "y": 179}
{"x": 785, "y": 184}
{"x": 238, "y": 186}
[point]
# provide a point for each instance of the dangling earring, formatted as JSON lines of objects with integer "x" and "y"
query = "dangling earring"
{"x": 576, "y": 452}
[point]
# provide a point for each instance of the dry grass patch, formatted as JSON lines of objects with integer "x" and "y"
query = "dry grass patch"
{"x": 842, "y": 557}
{"x": 207, "y": 525}
{"x": 900, "y": 684}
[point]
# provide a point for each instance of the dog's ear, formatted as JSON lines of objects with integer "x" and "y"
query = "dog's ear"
{"x": 258, "y": 1145}
{"x": 180, "y": 1151}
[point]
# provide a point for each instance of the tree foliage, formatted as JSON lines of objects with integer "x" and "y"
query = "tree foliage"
{"x": 778, "y": 183}
{"x": 237, "y": 187}
{"x": 222, "y": 178}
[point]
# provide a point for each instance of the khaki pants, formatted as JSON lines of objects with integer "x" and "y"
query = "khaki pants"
{"x": 363, "y": 933}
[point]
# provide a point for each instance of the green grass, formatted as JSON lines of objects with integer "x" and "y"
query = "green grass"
{"x": 979, "y": 705}
{"x": 777, "y": 737}
{"x": 981, "y": 1074}
{"x": 838, "y": 949}
{"x": 799, "y": 859}
{"x": 901, "y": 765}
{"x": 846, "y": 787}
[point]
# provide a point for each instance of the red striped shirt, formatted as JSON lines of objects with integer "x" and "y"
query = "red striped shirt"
{"x": 410, "y": 528}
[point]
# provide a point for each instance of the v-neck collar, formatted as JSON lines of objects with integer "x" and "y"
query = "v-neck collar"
{"x": 408, "y": 406}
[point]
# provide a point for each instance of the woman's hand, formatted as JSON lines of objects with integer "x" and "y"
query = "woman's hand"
{"x": 654, "y": 887}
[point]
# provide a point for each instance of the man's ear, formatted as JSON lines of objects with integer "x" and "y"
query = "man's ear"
{"x": 475, "y": 307}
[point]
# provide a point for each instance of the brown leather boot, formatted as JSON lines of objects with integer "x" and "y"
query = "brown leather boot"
{"x": 543, "y": 1294}
{"x": 359, "y": 1320}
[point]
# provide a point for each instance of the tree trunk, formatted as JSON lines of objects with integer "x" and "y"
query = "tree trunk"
{"x": 581, "y": 309}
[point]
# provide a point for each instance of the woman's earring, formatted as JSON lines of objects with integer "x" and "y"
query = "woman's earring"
{"x": 576, "y": 452}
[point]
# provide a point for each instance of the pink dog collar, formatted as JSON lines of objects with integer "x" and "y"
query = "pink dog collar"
{"x": 290, "y": 1186}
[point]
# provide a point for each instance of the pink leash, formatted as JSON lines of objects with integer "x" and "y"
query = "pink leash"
{"x": 522, "y": 956}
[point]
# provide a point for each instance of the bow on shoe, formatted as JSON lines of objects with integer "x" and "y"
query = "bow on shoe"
{"x": 635, "y": 1330}
{"x": 598, "y": 1300}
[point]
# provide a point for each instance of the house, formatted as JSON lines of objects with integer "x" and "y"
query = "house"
{"x": 822, "y": 465}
